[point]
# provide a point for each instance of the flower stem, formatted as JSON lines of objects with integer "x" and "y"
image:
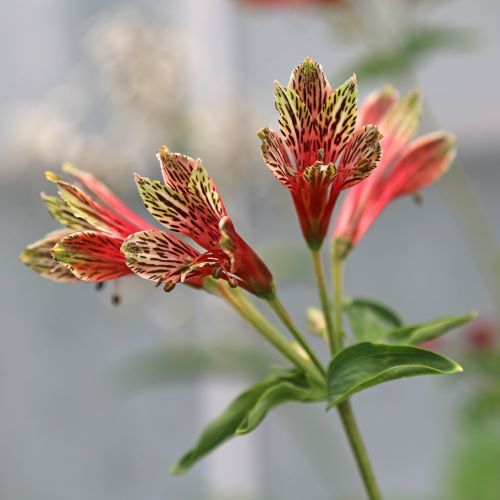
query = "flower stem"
{"x": 247, "y": 311}
{"x": 333, "y": 341}
{"x": 345, "y": 409}
{"x": 282, "y": 313}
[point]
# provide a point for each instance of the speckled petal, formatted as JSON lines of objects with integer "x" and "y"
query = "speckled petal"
{"x": 158, "y": 256}
{"x": 360, "y": 157}
{"x": 276, "y": 156}
{"x": 336, "y": 121}
{"x": 92, "y": 256}
{"x": 38, "y": 257}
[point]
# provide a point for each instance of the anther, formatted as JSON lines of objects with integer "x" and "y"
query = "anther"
{"x": 233, "y": 283}
{"x": 169, "y": 286}
{"x": 99, "y": 286}
{"x": 321, "y": 154}
{"x": 216, "y": 273}
{"x": 116, "y": 299}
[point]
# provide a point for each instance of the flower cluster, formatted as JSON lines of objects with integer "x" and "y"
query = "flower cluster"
{"x": 323, "y": 148}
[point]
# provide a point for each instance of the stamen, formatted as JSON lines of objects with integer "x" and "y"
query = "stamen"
{"x": 216, "y": 273}
{"x": 233, "y": 282}
{"x": 99, "y": 286}
{"x": 116, "y": 299}
{"x": 169, "y": 286}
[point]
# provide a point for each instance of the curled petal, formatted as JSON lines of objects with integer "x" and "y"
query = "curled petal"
{"x": 276, "y": 156}
{"x": 91, "y": 256}
{"x": 308, "y": 81}
{"x": 360, "y": 157}
{"x": 38, "y": 257}
{"x": 95, "y": 214}
{"x": 158, "y": 256}
{"x": 62, "y": 213}
{"x": 376, "y": 106}
{"x": 105, "y": 195}
{"x": 337, "y": 120}
{"x": 427, "y": 159}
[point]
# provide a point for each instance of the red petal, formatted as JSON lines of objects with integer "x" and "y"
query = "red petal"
{"x": 92, "y": 256}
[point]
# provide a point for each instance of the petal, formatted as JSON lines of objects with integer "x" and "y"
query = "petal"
{"x": 400, "y": 124}
{"x": 308, "y": 81}
{"x": 92, "y": 256}
{"x": 166, "y": 205}
{"x": 295, "y": 124}
{"x": 337, "y": 120}
{"x": 105, "y": 195}
{"x": 360, "y": 157}
{"x": 376, "y": 105}
{"x": 204, "y": 198}
{"x": 83, "y": 206}
{"x": 276, "y": 156}
{"x": 38, "y": 257}
{"x": 425, "y": 161}
{"x": 196, "y": 215}
{"x": 62, "y": 213}
{"x": 176, "y": 169}
{"x": 158, "y": 256}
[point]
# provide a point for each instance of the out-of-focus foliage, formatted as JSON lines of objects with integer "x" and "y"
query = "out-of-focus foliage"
{"x": 411, "y": 48}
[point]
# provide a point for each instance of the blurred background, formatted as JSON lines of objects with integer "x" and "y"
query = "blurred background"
{"x": 98, "y": 401}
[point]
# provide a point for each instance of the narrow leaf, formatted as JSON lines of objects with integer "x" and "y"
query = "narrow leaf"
{"x": 364, "y": 365}
{"x": 224, "y": 426}
{"x": 249, "y": 409}
{"x": 421, "y": 332}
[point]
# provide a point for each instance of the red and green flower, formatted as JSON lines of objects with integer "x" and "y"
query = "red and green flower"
{"x": 320, "y": 152}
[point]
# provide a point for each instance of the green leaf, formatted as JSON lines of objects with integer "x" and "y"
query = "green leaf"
{"x": 369, "y": 319}
{"x": 249, "y": 409}
{"x": 274, "y": 396}
{"x": 418, "y": 333}
{"x": 364, "y": 365}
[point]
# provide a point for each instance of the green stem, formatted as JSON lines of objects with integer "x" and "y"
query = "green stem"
{"x": 359, "y": 451}
{"x": 247, "y": 311}
{"x": 333, "y": 341}
{"x": 345, "y": 409}
{"x": 282, "y": 313}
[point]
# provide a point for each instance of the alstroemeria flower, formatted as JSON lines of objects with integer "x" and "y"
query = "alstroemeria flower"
{"x": 89, "y": 250}
{"x": 406, "y": 167}
{"x": 321, "y": 152}
{"x": 187, "y": 202}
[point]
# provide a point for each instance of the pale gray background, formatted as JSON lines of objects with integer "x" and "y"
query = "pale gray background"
{"x": 67, "y": 433}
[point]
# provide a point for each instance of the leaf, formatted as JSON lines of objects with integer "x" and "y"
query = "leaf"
{"x": 247, "y": 411}
{"x": 274, "y": 396}
{"x": 369, "y": 319}
{"x": 364, "y": 365}
{"x": 418, "y": 333}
